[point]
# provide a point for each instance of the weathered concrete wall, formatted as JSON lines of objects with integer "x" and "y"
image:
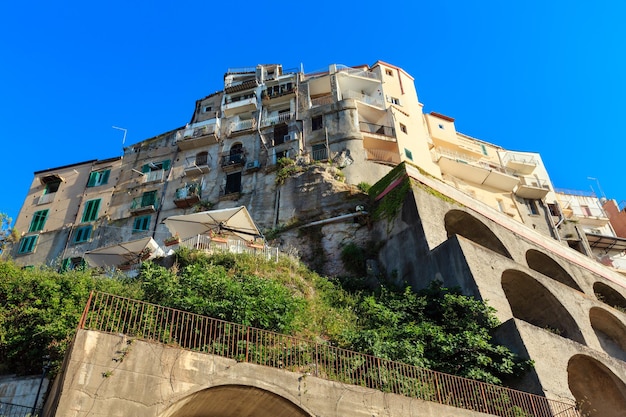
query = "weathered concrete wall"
{"x": 107, "y": 376}
{"x": 22, "y": 390}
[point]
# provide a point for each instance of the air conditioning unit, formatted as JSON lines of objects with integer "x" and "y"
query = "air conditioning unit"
{"x": 290, "y": 136}
{"x": 253, "y": 165}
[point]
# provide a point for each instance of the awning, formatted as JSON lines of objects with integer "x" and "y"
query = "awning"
{"x": 235, "y": 222}
{"x": 124, "y": 253}
{"x": 606, "y": 242}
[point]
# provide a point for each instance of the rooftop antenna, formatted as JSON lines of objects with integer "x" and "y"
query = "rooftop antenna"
{"x": 124, "y": 130}
{"x": 600, "y": 188}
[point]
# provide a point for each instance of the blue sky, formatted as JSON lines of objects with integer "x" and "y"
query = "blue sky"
{"x": 537, "y": 76}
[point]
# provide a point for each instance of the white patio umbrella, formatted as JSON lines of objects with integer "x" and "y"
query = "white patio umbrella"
{"x": 235, "y": 222}
{"x": 122, "y": 252}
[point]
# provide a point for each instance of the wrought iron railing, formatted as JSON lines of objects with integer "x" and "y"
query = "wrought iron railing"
{"x": 114, "y": 314}
{"x": 14, "y": 410}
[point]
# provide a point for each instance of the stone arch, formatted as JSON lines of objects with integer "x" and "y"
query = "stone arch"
{"x": 532, "y": 302}
{"x": 461, "y": 223}
{"x": 609, "y": 296}
{"x": 235, "y": 401}
{"x": 598, "y": 391}
{"x": 547, "y": 266}
{"x": 611, "y": 332}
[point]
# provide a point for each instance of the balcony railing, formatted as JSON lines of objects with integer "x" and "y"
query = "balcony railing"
{"x": 144, "y": 204}
{"x": 118, "y": 315}
{"x": 187, "y": 196}
{"x": 374, "y": 101}
{"x": 212, "y": 244}
{"x": 382, "y": 155}
{"x": 239, "y": 106}
{"x": 376, "y": 129}
{"x": 320, "y": 154}
{"x": 152, "y": 176}
{"x": 197, "y": 165}
{"x": 241, "y": 125}
{"x": 46, "y": 198}
{"x": 357, "y": 72}
{"x": 322, "y": 101}
{"x": 277, "y": 118}
{"x": 233, "y": 158}
{"x": 278, "y": 91}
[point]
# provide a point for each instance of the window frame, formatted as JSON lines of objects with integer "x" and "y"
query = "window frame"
{"x": 90, "y": 210}
{"x": 317, "y": 123}
{"x": 143, "y": 222}
{"x": 27, "y": 244}
{"x": 97, "y": 178}
{"x": 38, "y": 221}
{"x": 79, "y": 234}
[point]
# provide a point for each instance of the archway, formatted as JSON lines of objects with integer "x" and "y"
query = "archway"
{"x": 609, "y": 296}
{"x": 547, "y": 266}
{"x": 610, "y": 331}
{"x": 532, "y": 302}
{"x": 235, "y": 401}
{"x": 458, "y": 222}
{"x": 598, "y": 391}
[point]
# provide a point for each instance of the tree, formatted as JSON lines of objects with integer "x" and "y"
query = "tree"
{"x": 6, "y": 233}
{"x": 437, "y": 328}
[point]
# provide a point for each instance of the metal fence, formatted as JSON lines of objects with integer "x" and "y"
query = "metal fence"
{"x": 113, "y": 314}
{"x": 14, "y": 410}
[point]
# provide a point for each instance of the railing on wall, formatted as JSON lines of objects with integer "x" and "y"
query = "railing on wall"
{"x": 114, "y": 314}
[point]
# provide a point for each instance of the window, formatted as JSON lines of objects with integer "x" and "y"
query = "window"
{"x": 141, "y": 224}
{"x": 38, "y": 221}
{"x": 403, "y": 128}
{"x": 206, "y": 109}
{"x": 148, "y": 199}
{"x": 233, "y": 183}
{"x": 554, "y": 209}
{"x": 52, "y": 187}
{"x": 484, "y": 149}
{"x": 82, "y": 234}
{"x": 154, "y": 171}
{"x": 90, "y": 213}
{"x": 586, "y": 210}
{"x": 532, "y": 206}
{"x": 98, "y": 178}
{"x": 389, "y": 72}
{"x": 408, "y": 154}
{"x": 73, "y": 264}
{"x": 440, "y": 126}
{"x": 27, "y": 244}
{"x": 280, "y": 131}
{"x": 317, "y": 123}
{"x": 394, "y": 100}
{"x": 500, "y": 205}
{"x": 202, "y": 158}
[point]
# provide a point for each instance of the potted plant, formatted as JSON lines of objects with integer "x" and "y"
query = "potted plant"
{"x": 172, "y": 240}
{"x": 218, "y": 237}
{"x": 145, "y": 254}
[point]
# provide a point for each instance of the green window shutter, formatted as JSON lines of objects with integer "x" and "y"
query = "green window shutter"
{"x": 148, "y": 199}
{"x": 145, "y": 168}
{"x": 141, "y": 223}
{"x": 27, "y": 244}
{"x": 166, "y": 165}
{"x": 105, "y": 176}
{"x": 93, "y": 177}
{"x": 38, "y": 221}
{"x": 91, "y": 210}
{"x": 66, "y": 265}
{"x": 82, "y": 234}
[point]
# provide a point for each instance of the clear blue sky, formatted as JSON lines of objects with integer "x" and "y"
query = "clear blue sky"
{"x": 543, "y": 76}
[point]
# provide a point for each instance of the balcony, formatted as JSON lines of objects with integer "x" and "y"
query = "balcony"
{"x": 278, "y": 91}
{"x": 197, "y": 165}
{"x": 532, "y": 188}
{"x": 232, "y": 160}
{"x": 147, "y": 203}
{"x": 240, "y": 106}
{"x": 196, "y": 136}
{"x": 523, "y": 164}
{"x": 187, "y": 196}
{"x": 322, "y": 100}
{"x": 342, "y": 69}
{"x": 382, "y": 156}
{"x": 371, "y": 100}
{"x": 277, "y": 118}
{"x": 154, "y": 176}
{"x": 474, "y": 170}
{"x": 241, "y": 126}
{"x": 377, "y": 131}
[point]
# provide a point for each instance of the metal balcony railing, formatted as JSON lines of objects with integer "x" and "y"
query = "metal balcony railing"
{"x": 191, "y": 190}
{"x": 240, "y": 125}
{"x": 156, "y": 175}
{"x": 119, "y": 315}
{"x": 277, "y": 118}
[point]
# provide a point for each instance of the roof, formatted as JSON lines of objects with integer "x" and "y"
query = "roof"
{"x": 606, "y": 242}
